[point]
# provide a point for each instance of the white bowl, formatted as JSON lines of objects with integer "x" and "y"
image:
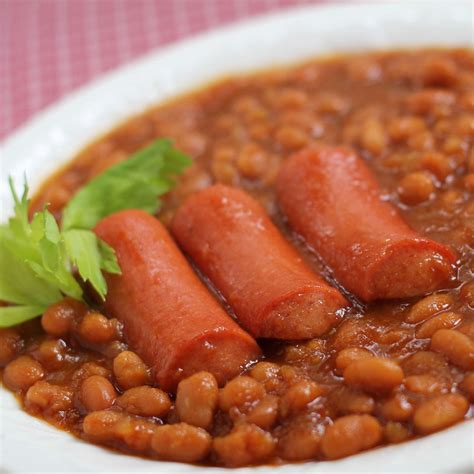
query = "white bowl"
{"x": 30, "y": 445}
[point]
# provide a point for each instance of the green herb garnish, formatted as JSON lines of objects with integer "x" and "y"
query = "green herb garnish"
{"x": 135, "y": 183}
{"x": 37, "y": 257}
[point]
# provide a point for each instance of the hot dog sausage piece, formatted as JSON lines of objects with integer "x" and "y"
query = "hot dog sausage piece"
{"x": 170, "y": 318}
{"x": 334, "y": 202}
{"x": 272, "y": 291}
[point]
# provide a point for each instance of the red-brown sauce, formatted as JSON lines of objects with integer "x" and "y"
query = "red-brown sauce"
{"x": 410, "y": 115}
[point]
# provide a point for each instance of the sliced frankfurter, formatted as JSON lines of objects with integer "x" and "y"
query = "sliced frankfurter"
{"x": 170, "y": 319}
{"x": 334, "y": 202}
{"x": 272, "y": 291}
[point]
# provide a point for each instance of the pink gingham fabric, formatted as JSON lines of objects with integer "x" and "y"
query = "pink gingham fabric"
{"x": 50, "y": 47}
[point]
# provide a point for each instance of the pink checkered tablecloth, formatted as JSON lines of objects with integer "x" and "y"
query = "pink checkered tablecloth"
{"x": 50, "y": 47}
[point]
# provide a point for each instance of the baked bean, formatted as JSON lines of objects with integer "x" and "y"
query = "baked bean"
{"x": 299, "y": 444}
{"x": 59, "y": 318}
{"x": 426, "y": 101}
{"x": 145, "y": 401}
{"x": 244, "y": 445}
{"x": 252, "y": 161}
{"x": 10, "y": 344}
{"x": 451, "y": 200}
{"x": 467, "y": 386}
{"x": 352, "y": 131}
{"x": 289, "y": 375}
{"x": 290, "y": 137}
{"x": 52, "y": 353}
{"x": 455, "y": 346}
{"x": 454, "y": 145}
{"x": 311, "y": 352}
{"x": 350, "y": 435}
{"x": 348, "y": 401}
{"x": 407, "y": 161}
{"x": 423, "y": 141}
{"x": 439, "y": 413}
{"x": 425, "y": 362}
{"x": 351, "y": 354}
{"x": 113, "y": 348}
{"x": 224, "y": 172}
{"x": 330, "y": 102}
{"x": 375, "y": 375}
{"x": 416, "y": 188}
{"x": 259, "y": 131}
{"x": 373, "y": 137}
{"x": 429, "y": 306}
{"x": 304, "y": 118}
{"x": 442, "y": 127}
{"x": 441, "y": 321}
{"x": 396, "y": 408}
{"x": 298, "y": 397}
{"x": 136, "y": 433}
{"x": 22, "y": 373}
{"x": 241, "y": 392}
{"x": 352, "y": 333}
{"x": 315, "y": 346}
{"x": 395, "y": 432}
{"x": 90, "y": 368}
{"x": 47, "y": 398}
{"x": 437, "y": 164}
{"x": 439, "y": 72}
{"x": 224, "y": 154}
{"x": 196, "y": 399}
{"x": 192, "y": 143}
{"x": 95, "y": 328}
{"x": 289, "y": 98}
{"x": 181, "y": 442}
{"x": 400, "y": 129}
{"x": 249, "y": 108}
{"x": 225, "y": 123}
{"x": 97, "y": 393}
{"x": 394, "y": 337}
{"x": 425, "y": 384}
{"x": 265, "y": 413}
{"x": 266, "y": 373}
{"x": 101, "y": 425}
{"x": 106, "y": 426}
{"x": 130, "y": 371}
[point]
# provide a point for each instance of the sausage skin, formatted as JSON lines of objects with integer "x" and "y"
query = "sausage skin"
{"x": 170, "y": 318}
{"x": 272, "y": 291}
{"x": 333, "y": 201}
